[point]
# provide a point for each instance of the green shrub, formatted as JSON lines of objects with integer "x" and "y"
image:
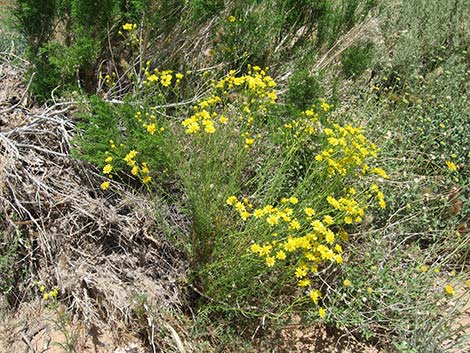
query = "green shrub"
{"x": 201, "y": 10}
{"x": 66, "y": 39}
{"x": 12, "y": 268}
{"x": 304, "y": 89}
{"x": 357, "y": 59}
{"x": 36, "y": 21}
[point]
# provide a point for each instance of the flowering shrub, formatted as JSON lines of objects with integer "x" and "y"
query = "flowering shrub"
{"x": 305, "y": 236}
{"x": 253, "y": 91}
{"x": 234, "y": 140}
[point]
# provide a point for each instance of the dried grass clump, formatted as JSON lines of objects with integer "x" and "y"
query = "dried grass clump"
{"x": 103, "y": 250}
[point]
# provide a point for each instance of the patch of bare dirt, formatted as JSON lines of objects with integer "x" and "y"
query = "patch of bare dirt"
{"x": 37, "y": 328}
{"x": 299, "y": 338}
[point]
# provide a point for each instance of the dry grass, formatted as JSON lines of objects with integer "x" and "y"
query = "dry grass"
{"x": 104, "y": 251}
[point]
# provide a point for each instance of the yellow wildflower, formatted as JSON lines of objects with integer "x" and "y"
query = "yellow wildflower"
{"x": 258, "y": 213}
{"x": 330, "y": 237}
{"x": 294, "y": 224}
{"x": 300, "y": 272}
{"x": 293, "y": 200}
{"x": 273, "y": 220}
{"x": 449, "y": 290}
{"x": 321, "y": 312}
{"x": 145, "y": 168}
{"x": 130, "y": 155}
{"x": 270, "y": 261}
{"x": 265, "y": 250}
{"x": 193, "y": 128}
{"x": 129, "y": 27}
{"x": 209, "y": 128}
{"x": 223, "y": 119}
{"x": 104, "y": 185}
{"x": 281, "y": 255}
{"x": 309, "y": 211}
{"x": 107, "y": 169}
{"x": 244, "y": 215}
{"x": 315, "y": 295}
{"x": 255, "y": 248}
{"x": 451, "y": 166}
{"x": 249, "y": 141}
{"x": 178, "y": 76}
{"x": 146, "y": 179}
{"x": 328, "y": 220}
{"x": 151, "y": 129}
{"x": 240, "y": 207}
{"x": 346, "y": 282}
{"x": 338, "y": 259}
{"x": 231, "y": 200}
{"x": 380, "y": 172}
{"x": 333, "y": 202}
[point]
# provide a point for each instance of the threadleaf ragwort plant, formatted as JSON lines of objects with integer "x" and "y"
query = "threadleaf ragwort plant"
{"x": 236, "y": 125}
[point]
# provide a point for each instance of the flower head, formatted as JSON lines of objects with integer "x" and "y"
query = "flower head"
{"x": 451, "y": 166}
{"x": 449, "y": 290}
{"x": 107, "y": 169}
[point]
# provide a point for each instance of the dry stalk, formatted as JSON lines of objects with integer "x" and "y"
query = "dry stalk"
{"x": 102, "y": 249}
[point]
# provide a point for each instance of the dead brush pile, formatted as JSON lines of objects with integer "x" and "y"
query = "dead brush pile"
{"x": 104, "y": 251}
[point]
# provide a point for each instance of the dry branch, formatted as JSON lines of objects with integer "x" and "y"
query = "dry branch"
{"x": 103, "y": 249}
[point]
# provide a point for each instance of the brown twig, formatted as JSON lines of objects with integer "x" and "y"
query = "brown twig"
{"x": 9, "y": 109}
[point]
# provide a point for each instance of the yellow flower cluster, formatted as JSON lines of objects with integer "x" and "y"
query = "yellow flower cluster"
{"x": 352, "y": 210}
{"x": 130, "y": 29}
{"x": 52, "y": 294}
{"x": 325, "y": 106}
{"x": 451, "y": 166}
{"x": 149, "y": 122}
{"x": 300, "y": 236}
{"x": 141, "y": 170}
{"x": 252, "y": 92}
{"x": 164, "y": 78}
{"x": 205, "y": 115}
{"x": 449, "y": 290}
{"x": 307, "y": 124}
{"x": 109, "y": 79}
{"x": 347, "y": 148}
{"x": 380, "y": 195}
{"x": 256, "y": 83}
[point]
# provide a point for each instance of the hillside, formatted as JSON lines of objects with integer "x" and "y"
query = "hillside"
{"x": 221, "y": 176}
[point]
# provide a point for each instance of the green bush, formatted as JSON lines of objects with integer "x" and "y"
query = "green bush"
{"x": 357, "y": 59}
{"x": 201, "y": 10}
{"x": 36, "y": 21}
{"x": 304, "y": 89}
{"x": 12, "y": 268}
{"x": 66, "y": 39}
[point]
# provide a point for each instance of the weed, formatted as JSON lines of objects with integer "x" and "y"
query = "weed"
{"x": 357, "y": 59}
{"x": 304, "y": 89}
